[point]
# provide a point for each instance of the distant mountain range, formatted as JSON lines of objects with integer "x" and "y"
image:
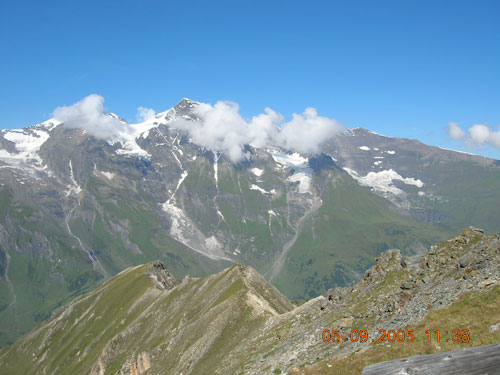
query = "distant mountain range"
{"x": 76, "y": 210}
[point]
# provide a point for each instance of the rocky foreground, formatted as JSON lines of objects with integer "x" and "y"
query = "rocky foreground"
{"x": 144, "y": 321}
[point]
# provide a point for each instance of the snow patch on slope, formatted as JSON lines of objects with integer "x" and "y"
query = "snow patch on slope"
{"x": 108, "y": 175}
{"x": 304, "y": 180}
{"x": 130, "y": 147}
{"x": 184, "y": 174}
{"x": 256, "y": 171}
{"x": 258, "y": 188}
{"x": 212, "y": 243}
{"x": 184, "y": 230}
{"x": 294, "y": 160}
{"x": 382, "y": 181}
{"x": 300, "y": 165}
{"x": 216, "y": 167}
{"x": 27, "y": 142}
{"x": 74, "y": 188}
{"x": 461, "y": 152}
{"x": 128, "y": 139}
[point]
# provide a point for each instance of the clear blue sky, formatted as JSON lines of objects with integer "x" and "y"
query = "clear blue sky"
{"x": 400, "y": 68}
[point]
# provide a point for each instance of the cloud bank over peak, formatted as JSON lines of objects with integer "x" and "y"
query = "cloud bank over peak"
{"x": 220, "y": 127}
{"x": 306, "y": 132}
{"x": 477, "y": 135}
{"x": 145, "y": 114}
{"x": 88, "y": 114}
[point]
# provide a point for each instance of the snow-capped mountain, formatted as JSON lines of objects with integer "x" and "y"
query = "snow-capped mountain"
{"x": 78, "y": 207}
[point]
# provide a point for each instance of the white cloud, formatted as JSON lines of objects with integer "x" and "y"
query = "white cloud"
{"x": 495, "y": 139}
{"x": 144, "y": 114}
{"x": 88, "y": 114}
{"x": 478, "y": 135}
{"x": 263, "y": 128}
{"x": 306, "y": 132}
{"x": 220, "y": 128}
{"x": 455, "y": 132}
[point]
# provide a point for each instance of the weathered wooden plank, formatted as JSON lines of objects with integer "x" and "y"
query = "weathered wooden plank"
{"x": 480, "y": 360}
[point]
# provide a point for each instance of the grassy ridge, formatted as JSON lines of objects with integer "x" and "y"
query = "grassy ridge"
{"x": 188, "y": 329}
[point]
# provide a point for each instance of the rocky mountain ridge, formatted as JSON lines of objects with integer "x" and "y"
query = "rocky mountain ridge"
{"x": 143, "y": 321}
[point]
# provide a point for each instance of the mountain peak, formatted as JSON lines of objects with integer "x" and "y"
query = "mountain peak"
{"x": 186, "y": 103}
{"x": 184, "y": 109}
{"x": 360, "y": 131}
{"x": 115, "y": 116}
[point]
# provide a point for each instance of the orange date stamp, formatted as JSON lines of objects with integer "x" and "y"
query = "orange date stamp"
{"x": 393, "y": 336}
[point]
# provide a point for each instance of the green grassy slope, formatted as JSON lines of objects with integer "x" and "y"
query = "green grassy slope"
{"x": 189, "y": 328}
{"x": 38, "y": 281}
{"x": 340, "y": 241}
{"x": 471, "y": 192}
{"x": 34, "y": 284}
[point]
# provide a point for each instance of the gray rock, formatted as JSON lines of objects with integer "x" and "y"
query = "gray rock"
{"x": 495, "y": 327}
{"x": 464, "y": 260}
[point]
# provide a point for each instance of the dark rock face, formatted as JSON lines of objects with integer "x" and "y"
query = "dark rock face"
{"x": 162, "y": 278}
{"x": 321, "y": 162}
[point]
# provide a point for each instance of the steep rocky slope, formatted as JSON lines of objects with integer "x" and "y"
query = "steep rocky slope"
{"x": 144, "y": 321}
